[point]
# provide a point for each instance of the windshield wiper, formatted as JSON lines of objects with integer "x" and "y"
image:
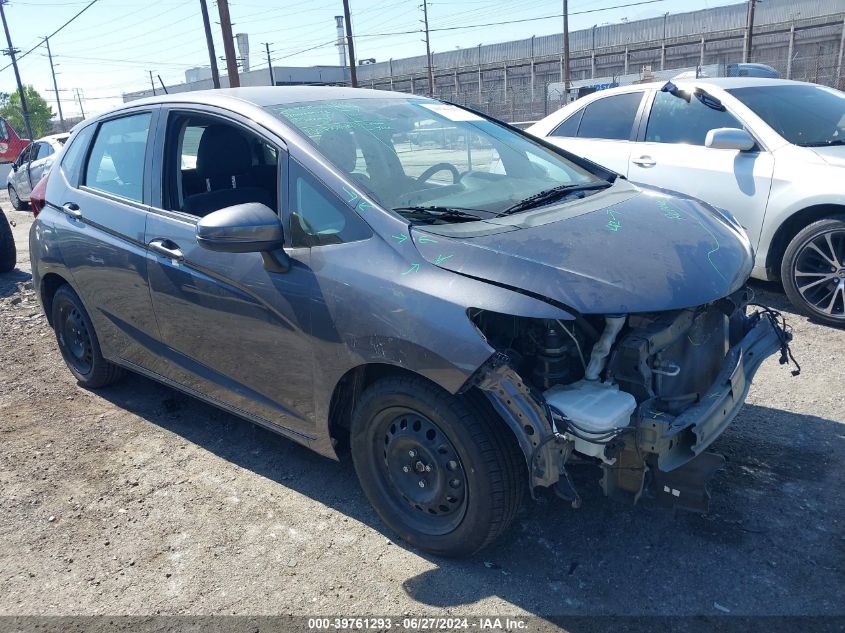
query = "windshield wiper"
{"x": 442, "y": 213}
{"x": 837, "y": 141}
{"x": 548, "y": 195}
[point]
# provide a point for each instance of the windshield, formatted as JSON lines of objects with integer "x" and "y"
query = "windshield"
{"x": 812, "y": 116}
{"x": 418, "y": 155}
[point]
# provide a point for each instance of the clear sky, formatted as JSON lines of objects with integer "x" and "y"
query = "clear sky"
{"x": 110, "y": 48}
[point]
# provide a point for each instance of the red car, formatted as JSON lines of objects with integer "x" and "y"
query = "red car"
{"x": 11, "y": 145}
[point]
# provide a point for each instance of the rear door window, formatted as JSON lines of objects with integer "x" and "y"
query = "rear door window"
{"x": 674, "y": 120}
{"x": 610, "y": 117}
{"x": 74, "y": 154}
{"x": 116, "y": 163}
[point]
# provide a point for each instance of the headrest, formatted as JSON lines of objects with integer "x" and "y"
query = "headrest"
{"x": 340, "y": 148}
{"x": 223, "y": 151}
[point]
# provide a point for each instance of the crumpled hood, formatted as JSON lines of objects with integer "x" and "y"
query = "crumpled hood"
{"x": 648, "y": 251}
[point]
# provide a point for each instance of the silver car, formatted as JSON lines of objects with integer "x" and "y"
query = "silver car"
{"x": 30, "y": 166}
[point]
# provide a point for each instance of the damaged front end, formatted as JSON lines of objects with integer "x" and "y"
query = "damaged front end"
{"x": 641, "y": 395}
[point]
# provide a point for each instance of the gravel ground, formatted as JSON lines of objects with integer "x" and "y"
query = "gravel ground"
{"x": 139, "y": 500}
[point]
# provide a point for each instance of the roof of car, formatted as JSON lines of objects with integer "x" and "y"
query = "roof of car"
{"x": 725, "y": 83}
{"x": 274, "y": 95}
{"x": 54, "y": 137}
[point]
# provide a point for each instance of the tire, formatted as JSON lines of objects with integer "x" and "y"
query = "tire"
{"x": 78, "y": 341}
{"x": 406, "y": 430}
{"x": 16, "y": 201}
{"x": 8, "y": 253}
{"x": 813, "y": 271}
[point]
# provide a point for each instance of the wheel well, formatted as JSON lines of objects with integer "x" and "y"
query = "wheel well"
{"x": 50, "y": 283}
{"x": 791, "y": 227}
{"x": 353, "y": 383}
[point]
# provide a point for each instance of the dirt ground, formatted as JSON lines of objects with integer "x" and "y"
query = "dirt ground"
{"x": 139, "y": 500}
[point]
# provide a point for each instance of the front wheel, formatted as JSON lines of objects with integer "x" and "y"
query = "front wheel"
{"x": 813, "y": 271}
{"x": 15, "y": 199}
{"x": 78, "y": 341}
{"x": 441, "y": 471}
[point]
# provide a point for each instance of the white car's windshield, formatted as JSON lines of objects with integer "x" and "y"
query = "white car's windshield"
{"x": 811, "y": 116}
{"x": 416, "y": 152}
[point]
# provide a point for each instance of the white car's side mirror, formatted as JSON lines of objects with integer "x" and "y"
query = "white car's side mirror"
{"x": 729, "y": 138}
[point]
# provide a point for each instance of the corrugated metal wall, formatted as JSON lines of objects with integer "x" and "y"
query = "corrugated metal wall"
{"x": 699, "y": 22}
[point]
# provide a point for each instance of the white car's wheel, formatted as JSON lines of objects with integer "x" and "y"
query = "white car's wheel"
{"x": 813, "y": 271}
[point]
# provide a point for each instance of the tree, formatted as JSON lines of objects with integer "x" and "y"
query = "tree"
{"x": 39, "y": 112}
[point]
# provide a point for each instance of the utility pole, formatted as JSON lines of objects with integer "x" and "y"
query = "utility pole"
{"x": 428, "y": 50}
{"x": 79, "y": 98}
{"x": 566, "y": 49}
{"x": 152, "y": 83}
{"x": 55, "y": 85}
{"x": 228, "y": 44}
{"x": 11, "y": 52}
{"x": 353, "y": 74}
{"x": 209, "y": 41}
{"x": 749, "y": 31}
{"x": 270, "y": 64}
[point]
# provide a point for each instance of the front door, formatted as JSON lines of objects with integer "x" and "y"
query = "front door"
{"x": 21, "y": 178}
{"x": 235, "y": 332}
{"x": 38, "y": 164}
{"x": 673, "y": 156}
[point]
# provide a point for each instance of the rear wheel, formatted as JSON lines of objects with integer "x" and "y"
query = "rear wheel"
{"x": 78, "y": 341}
{"x": 8, "y": 254}
{"x": 15, "y": 199}
{"x": 813, "y": 271}
{"x": 443, "y": 473}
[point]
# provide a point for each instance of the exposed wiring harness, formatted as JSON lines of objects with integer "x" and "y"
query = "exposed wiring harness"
{"x": 782, "y": 330}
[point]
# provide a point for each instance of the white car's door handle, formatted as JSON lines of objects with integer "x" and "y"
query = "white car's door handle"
{"x": 644, "y": 161}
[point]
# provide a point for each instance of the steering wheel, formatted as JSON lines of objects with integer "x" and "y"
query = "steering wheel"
{"x": 428, "y": 173}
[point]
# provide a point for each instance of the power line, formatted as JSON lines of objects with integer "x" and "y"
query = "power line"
{"x": 542, "y": 17}
{"x": 20, "y": 57}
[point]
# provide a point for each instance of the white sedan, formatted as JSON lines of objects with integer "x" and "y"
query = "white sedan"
{"x": 770, "y": 151}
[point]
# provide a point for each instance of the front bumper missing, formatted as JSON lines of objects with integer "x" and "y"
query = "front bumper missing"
{"x": 676, "y": 440}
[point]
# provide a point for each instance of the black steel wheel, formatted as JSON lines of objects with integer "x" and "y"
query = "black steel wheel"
{"x": 442, "y": 471}
{"x": 422, "y": 466}
{"x": 78, "y": 341}
{"x": 813, "y": 271}
{"x": 15, "y": 199}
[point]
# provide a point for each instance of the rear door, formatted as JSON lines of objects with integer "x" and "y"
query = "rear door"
{"x": 671, "y": 154}
{"x": 101, "y": 192}
{"x": 602, "y": 130}
{"x": 235, "y": 332}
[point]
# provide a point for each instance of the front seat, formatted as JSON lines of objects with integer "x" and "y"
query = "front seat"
{"x": 340, "y": 148}
{"x": 224, "y": 160}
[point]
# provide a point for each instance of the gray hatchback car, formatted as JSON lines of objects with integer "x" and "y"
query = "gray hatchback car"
{"x": 468, "y": 308}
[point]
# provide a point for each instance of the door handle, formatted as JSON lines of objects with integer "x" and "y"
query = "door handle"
{"x": 644, "y": 161}
{"x": 73, "y": 210}
{"x": 167, "y": 249}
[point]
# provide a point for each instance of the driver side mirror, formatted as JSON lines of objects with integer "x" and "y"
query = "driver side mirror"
{"x": 729, "y": 138}
{"x": 245, "y": 228}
